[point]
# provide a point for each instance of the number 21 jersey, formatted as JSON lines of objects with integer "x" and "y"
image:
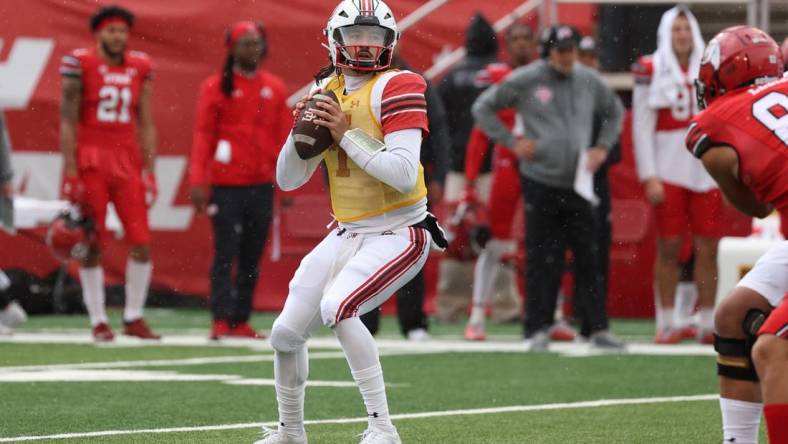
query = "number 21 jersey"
{"x": 108, "y": 105}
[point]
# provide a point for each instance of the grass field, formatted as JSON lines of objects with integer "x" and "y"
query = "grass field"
{"x": 56, "y": 386}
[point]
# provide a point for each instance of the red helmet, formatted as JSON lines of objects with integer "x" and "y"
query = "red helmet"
{"x": 736, "y": 57}
{"x": 468, "y": 229}
{"x": 70, "y": 235}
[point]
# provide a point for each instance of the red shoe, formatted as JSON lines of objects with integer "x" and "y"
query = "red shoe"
{"x": 668, "y": 336}
{"x": 103, "y": 333}
{"x": 706, "y": 337}
{"x": 689, "y": 332}
{"x": 562, "y": 333}
{"x": 139, "y": 329}
{"x": 244, "y": 330}
{"x": 475, "y": 332}
{"x": 220, "y": 328}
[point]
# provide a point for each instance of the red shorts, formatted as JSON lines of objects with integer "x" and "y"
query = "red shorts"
{"x": 777, "y": 322}
{"x": 127, "y": 194}
{"x": 687, "y": 212}
{"x": 504, "y": 194}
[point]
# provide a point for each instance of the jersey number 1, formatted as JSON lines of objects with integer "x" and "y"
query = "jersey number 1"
{"x": 764, "y": 110}
{"x": 114, "y": 104}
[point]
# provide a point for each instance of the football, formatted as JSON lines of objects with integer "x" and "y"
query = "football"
{"x": 312, "y": 139}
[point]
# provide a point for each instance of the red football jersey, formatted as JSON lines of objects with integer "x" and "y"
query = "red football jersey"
{"x": 109, "y": 102}
{"x": 754, "y": 122}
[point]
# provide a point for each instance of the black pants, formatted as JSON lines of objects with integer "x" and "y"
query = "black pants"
{"x": 240, "y": 227}
{"x": 604, "y": 238}
{"x": 410, "y": 312}
{"x": 556, "y": 219}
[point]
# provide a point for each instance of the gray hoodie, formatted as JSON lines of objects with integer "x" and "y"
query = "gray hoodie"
{"x": 558, "y": 112}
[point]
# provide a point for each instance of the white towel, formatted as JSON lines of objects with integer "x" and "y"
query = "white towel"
{"x": 668, "y": 78}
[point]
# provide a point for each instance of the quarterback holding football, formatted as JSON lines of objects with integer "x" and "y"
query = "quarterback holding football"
{"x": 378, "y": 198}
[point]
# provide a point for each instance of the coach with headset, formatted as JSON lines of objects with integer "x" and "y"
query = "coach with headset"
{"x": 242, "y": 121}
{"x": 557, "y": 100}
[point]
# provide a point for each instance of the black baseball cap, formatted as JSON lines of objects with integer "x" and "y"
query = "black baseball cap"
{"x": 559, "y": 36}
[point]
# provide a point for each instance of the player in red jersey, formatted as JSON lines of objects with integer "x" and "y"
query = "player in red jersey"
{"x": 742, "y": 140}
{"x": 106, "y": 102}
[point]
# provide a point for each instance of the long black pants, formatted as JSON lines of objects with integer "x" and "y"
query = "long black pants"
{"x": 603, "y": 240}
{"x": 558, "y": 218}
{"x": 240, "y": 228}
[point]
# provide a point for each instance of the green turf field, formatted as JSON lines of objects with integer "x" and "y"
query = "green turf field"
{"x": 189, "y": 390}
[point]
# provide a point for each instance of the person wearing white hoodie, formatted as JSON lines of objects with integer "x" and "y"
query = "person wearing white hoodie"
{"x": 685, "y": 198}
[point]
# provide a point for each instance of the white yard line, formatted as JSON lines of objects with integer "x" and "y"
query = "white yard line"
{"x": 435, "y": 414}
{"x": 397, "y": 346}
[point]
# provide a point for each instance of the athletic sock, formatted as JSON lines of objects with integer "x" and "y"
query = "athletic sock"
{"x": 92, "y": 280}
{"x": 477, "y": 315}
{"x": 485, "y": 271}
{"x": 740, "y": 420}
{"x": 290, "y": 373}
{"x": 707, "y": 319}
{"x": 665, "y": 316}
{"x": 362, "y": 357}
{"x": 777, "y": 422}
{"x": 686, "y": 296}
{"x": 137, "y": 282}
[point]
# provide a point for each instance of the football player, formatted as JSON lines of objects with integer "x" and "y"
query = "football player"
{"x": 685, "y": 198}
{"x": 742, "y": 140}
{"x": 106, "y": 101}
{"x": 378, "y": 197}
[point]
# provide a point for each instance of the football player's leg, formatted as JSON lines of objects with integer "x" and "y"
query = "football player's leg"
{"x": 91, "y": 274}
{"x": 257, "y": 217}
{"x": 382, "y": 265}
{"x": 672, "y": 224}
{"x": 770, "y": 355}
{"x": 299, "y": 317}
{"x": 736, "y": 321}
{"x": 226, "y": 243}
{"x": 706, "y": 214}
{"x": 129, "y": 201}
{"x": 503, "y": 193}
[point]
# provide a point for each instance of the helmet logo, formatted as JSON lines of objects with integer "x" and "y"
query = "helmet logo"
{"x": 712, "y": 54}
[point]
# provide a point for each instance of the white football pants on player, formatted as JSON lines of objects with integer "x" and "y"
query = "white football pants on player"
{"x": 346, "y": 275}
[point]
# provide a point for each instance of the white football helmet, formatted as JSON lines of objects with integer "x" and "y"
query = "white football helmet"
{"x": 361, "y": 35}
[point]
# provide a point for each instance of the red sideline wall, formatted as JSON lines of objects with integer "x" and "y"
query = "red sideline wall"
{"x": 184, "y": 39}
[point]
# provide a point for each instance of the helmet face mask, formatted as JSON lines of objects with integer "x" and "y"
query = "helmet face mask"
{"x": 70, "y": 235}
{"x": 361, "y": 35}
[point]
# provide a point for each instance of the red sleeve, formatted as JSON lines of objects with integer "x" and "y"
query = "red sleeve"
{"x": 204, "y": 132}
{"x": 642, "y": 70}
{"x": 478, "y": 143}
{"x": 403, "y": 105}
{"x": 71, "y": 65}
{"x": 706, "y": 131}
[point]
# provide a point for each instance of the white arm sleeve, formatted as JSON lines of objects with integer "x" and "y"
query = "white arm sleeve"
{"x": 644, "y": 126}
{"x": 291, "y": 170}
{"x": 397, "y": 166}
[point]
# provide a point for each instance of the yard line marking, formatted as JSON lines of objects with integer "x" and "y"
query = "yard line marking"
{"x": 435, "y": 414}
{"x": 399, "y": 346}
{"x": 165, "y": 362}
